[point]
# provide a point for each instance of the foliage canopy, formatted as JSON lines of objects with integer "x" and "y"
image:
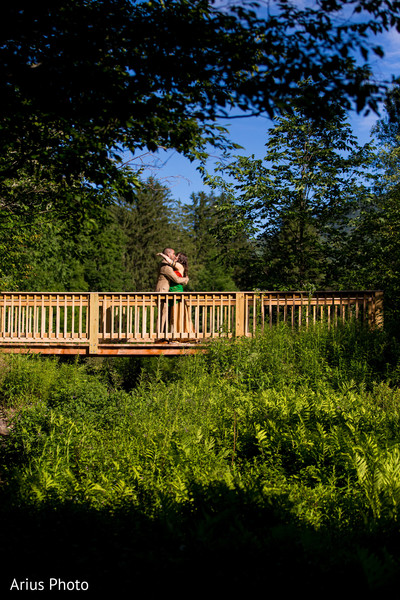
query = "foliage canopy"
{"x": 80, "y": 80}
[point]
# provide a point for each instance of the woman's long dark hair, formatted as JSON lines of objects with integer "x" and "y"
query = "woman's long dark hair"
{"x": 183, "y": 260}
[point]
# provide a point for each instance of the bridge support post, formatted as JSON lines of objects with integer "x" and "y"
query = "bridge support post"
{"x": 93, "y": 322}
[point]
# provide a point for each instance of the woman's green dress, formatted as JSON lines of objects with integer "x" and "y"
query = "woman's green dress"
{"x": 173, "y": 289}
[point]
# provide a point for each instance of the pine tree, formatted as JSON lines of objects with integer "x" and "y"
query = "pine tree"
{"x": 218, "y": 263}
{"x": 150, "y": 222}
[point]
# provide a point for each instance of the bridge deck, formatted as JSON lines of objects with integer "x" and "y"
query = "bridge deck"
{"x": 154, "y": 323}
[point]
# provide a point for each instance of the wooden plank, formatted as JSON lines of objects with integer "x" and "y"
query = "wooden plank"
{"x": 111, "y": 351}
{"x": 190, "y": 310}
{"x": 240, "y": 315}
{"x": 94, "y": 323}
{"x": 3, "y": 317}
{"x": 378, "y": 310}
{"x": 159, "y": 309}
{"x": 128, "y": 318}
{"x": 197, "y": 317}
{"x": 80, "y": 317}
{"x": 120, "y": 318}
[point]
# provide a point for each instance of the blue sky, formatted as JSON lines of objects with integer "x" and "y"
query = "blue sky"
{"x": 182, "y": 177}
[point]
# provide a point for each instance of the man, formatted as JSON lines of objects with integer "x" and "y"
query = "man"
{"x": 167, "y": 277}
{"x": 166, "y": 273}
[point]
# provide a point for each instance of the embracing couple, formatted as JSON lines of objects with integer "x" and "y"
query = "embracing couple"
{"x": 172, "y": 276}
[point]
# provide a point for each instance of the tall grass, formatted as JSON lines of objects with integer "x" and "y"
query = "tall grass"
{"x": 282, "y": 441}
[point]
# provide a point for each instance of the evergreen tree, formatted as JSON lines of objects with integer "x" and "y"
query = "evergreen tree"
{"x": 150, "y": 222}
{"x": 114, "y": 252}
{"x": 219, "y": 264}
{"x": 199, "y": 220}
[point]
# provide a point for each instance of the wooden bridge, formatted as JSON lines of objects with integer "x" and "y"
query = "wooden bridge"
{"x": 100, "y": 324}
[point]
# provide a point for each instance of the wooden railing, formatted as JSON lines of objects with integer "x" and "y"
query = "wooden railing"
{"x": 139, "y": 323}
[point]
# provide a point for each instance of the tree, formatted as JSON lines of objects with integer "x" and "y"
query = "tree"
{"x": 81, "y": 80}
{"x": 299, "y": 197}
{"x": 15, "y": 257}
{"x": 208, "y": 269}
{"x": 57, "y": 260}
{"x": 114, "y": 252}
{"x": 372, "y": 256}
{"x": 150, "y": 222}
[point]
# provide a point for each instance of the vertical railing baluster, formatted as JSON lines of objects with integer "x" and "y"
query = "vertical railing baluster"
{"x": 240, "y": 314}
{"x": 93, "y": 322}
{"x": 65, "y": 315}
{"x": 51, "y": 313}
{"x": 3, "y": 316}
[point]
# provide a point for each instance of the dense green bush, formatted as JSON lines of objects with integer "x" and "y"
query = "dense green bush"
{"x": 278, "y": 435}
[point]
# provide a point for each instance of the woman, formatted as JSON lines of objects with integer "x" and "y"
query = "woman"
{"x": 179, "y": 312}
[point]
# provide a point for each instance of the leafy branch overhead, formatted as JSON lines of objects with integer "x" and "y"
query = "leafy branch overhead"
{"x": 80, "y": 80}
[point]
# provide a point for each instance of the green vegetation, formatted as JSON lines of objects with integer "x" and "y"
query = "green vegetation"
{"x": 83, "y": 82}
{"x": 300, "y": 200}
{"x": 91, "y": 88}
{"x": 117, "y": 251}
{"x": 265, "y": 463}
{"x": 268, "y": 459}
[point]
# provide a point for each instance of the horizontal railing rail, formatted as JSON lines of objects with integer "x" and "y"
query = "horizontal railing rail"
{"x": 95, "y": 320}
